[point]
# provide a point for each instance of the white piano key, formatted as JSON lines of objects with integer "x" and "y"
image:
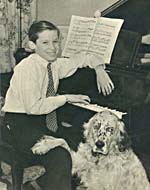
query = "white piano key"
{"x": 97, "y": 108}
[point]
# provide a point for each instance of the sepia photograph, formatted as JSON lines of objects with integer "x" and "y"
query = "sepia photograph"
{"x": 74, "y": 95}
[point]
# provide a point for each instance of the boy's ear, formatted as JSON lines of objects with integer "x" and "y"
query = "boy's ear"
{"x": 32, "y": 45}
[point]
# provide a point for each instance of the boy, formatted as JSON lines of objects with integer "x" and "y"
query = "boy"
{"x": 31, "y": 101}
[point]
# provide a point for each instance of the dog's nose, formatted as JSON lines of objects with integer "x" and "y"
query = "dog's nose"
{"x": 99, "y": 144}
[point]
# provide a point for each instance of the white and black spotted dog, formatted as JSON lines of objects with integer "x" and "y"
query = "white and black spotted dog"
{"x": 105, "y": 161}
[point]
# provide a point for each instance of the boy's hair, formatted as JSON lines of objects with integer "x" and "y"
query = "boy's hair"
{"x": 38, "y": 27}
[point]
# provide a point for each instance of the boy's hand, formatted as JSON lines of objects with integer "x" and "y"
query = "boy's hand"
{"x": 104, "y": 83}
{"x": 72, "y": 98}
{"x": 97, "y": 14}
{"x": 47, "y": 143}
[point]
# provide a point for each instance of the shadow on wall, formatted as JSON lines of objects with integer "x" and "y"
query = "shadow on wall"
{"x": 53, "y": 10}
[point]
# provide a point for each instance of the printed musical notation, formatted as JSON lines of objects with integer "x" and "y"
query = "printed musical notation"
{"x": 92, "y": 35}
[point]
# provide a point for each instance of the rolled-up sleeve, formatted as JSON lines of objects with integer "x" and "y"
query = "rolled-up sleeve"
{"x": 68, "y": 66}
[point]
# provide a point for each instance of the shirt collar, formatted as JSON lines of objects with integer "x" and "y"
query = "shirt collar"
{"x": 40, "y": 60}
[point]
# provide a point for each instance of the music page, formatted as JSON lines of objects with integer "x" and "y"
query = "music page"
{"x": 92, "y": 35}
{"x": 104, "y": 37}
{"x": 79, "y": 35}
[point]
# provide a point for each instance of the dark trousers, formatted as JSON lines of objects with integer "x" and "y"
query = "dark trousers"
{"x": 22, "y": 131}
{"x": 57, "y": 163}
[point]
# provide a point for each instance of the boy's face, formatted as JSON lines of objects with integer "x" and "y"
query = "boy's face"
{"x": 48, "y": 45}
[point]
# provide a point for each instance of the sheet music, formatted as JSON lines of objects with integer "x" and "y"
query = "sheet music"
{"x": 92, "y": 35}
{"x": 79, "y": 36}
{"x": 104, "y": 37}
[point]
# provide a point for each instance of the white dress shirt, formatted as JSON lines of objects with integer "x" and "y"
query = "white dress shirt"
{"x": 28, "y": 86}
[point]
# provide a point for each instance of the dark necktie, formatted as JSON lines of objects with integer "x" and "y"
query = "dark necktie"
{"x": 51, "y": 118}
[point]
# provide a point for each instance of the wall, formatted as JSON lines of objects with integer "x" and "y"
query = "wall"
{"x": 60, "y": 11}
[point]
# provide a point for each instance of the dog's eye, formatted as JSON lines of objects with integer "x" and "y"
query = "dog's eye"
{"x": 110, "y": 129}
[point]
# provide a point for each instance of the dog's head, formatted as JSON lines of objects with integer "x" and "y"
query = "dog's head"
{"x": 105, "y": 132}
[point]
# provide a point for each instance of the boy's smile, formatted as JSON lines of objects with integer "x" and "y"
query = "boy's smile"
{"x": 48, "y": 45}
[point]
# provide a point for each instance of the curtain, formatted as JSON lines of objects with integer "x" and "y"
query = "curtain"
{"x": 15, "y": 19}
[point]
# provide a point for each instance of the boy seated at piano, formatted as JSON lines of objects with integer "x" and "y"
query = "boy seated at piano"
{"x": 32, "y": 100}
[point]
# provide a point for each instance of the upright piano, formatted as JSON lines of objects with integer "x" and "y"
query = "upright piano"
{"x": 130, "y": 77}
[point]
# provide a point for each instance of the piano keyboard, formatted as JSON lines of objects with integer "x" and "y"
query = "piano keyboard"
{"x": 97, "y": 108}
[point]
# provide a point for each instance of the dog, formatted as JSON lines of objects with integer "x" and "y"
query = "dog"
{"x": 106, "y": 161}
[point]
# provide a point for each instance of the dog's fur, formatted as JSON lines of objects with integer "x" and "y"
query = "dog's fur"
{"x": 105, "y": 161}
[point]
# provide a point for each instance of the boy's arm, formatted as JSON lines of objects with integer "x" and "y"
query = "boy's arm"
{"x": 67, "y": 67}
{"x": 104, "y": 82}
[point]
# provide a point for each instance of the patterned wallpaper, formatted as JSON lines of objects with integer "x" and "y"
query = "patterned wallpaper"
{"x": 10, "y": 28}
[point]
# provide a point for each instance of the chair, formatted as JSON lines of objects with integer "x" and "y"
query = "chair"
{"x": 17, "y": 163}
{"x": 7, "y": 153}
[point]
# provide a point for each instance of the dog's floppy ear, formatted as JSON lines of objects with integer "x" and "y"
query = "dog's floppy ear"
{"x": 87, "y": 127}
{"x": 124, "y": 141}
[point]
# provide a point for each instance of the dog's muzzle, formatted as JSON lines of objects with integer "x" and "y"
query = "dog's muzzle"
{"x": 100, "y": 148}
{"x": 99, "y": 144}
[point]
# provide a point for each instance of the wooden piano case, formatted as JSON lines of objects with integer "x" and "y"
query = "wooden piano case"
{"x": 132, "y": 82}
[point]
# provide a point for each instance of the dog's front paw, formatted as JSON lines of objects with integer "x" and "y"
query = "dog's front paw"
{"x": 40, "y": 147}
{"x": 46, "y": 143}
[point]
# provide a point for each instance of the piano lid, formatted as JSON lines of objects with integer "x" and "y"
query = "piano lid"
{"x": 136, "y": 14}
